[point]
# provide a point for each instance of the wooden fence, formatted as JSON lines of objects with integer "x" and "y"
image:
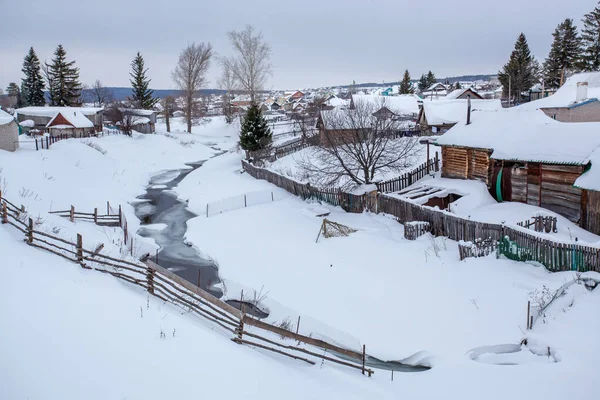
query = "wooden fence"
{"x": 410, "y": 177}
{"x": 44, "y": 142}
{"x": 171, "y": 288}
{"x": 554, "y": 255}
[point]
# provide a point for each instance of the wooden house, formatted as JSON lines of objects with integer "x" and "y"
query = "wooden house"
{"x": 9, "y": 132}
{"x": 438, "y": 116}
{"x": 70, "y": 123}
{"x": 402, "y": 105}
{"x": 41, "y": 116}
{"x": 463, "y": 94}
{"x": 527, "y": 157}
{"x": 575, "y": 101}
{"x": 340, "y": 126}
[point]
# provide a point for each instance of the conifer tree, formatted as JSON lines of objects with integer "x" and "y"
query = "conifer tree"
{"x": 405, "y": 85}
{"x": 552, "y": 67}
{"x": 63, "y": 80}
{"x": 457, "y": 85}
{"x": 521, "y": 71}
{"x": 431, "y": 79}
{"x": 590, "y": 40}
{"x": 423, "y": 83}
{"x": 33, "y": 84}
{"x": 13, "y": 90}
{"x": 143, "y": 97}
{"x": 255, "y": 133}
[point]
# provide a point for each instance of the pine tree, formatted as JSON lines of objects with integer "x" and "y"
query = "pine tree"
{"x": 521, "y": 71}
{"x": 142, "y": 96}
{"x": 457, "y": 85}
{"x": 405, "y": 85}
{"x": 33, "y": 84}
{"x": 255, "y": 133}
{"x": 63, "y": 80}
{"x": 431, "y": 79}
{"x": 590, "y": 40}
{"x": 423, "y": 83}
{"x": 13, "y": 90}
{"x": 552, "y": 65}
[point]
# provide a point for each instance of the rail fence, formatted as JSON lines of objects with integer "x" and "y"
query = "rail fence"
{"x": 171, "y": 288}
{"x": 521, "y": 245}
{"x": 44, "y": 142}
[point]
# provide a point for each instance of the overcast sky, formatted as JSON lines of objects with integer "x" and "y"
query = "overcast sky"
{"x": 314, "y": 42}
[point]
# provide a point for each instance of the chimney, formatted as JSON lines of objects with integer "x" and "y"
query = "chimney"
{"x": 582, "y": 88}
{"x": 468, "y": 109}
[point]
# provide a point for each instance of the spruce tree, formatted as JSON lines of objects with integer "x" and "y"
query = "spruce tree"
{"x": 457, "y": 85}
{"x": 63, "y": 79}
{"x": 521, "y": 71}
{"x": 13, "y": 90}
{"x": 430, "y": 79}
{"x": 552, "y": 65}
{"x": 142, "y": 96}
{"x": 255, "y": 133}
{"x": 33, "y": 83}
{"x": 590, "y": 40}
{"x": 423, "y": 83}
{"x": 405, "y": 85}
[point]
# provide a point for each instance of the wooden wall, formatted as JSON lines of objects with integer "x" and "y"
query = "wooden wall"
{"x": 591, "y": 220}
{"x": 549, "y": 186}
{"x": 466, "y": 163}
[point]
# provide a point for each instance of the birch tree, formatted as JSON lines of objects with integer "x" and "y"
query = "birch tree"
{"x": 190, "y": 76}
{"x": 250, "y": 66}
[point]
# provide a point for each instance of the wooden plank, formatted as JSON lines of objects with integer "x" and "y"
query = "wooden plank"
{"x": 195, "y": 289}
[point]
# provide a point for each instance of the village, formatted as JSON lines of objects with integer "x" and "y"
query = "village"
{"x": 416, "y": 238}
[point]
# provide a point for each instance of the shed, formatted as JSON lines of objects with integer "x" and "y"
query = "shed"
{"x": 463, "y": 94}
{"x": 9, "y": 132}
{"x": 41, "y": 116}
{"x": 524, "y": 156}
{"x": 70, "y": 123}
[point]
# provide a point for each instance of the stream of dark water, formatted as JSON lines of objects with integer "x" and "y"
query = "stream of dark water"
{"x": 160, "y": 205}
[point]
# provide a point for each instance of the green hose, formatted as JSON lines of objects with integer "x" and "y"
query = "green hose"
{"x": 499, "y": 186}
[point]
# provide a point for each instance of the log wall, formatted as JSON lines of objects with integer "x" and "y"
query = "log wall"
{"x": 591, "y": 222}
{"x": 466, "y": 163}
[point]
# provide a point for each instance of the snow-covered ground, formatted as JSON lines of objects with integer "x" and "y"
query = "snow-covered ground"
{"x": 70, "y": 333}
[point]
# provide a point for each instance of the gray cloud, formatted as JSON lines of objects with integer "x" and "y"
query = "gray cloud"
{"x": 315, "y": 43}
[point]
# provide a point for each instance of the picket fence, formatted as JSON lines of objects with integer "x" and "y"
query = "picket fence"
{"x": 171, "y": 288}
{"x": 523, "y": 246}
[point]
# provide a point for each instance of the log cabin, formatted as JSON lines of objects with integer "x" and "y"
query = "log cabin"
{"x": 527, "y": 157}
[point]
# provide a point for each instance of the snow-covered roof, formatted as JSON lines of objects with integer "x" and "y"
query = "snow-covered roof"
{"x": 28, "y": 123}
{"x": 5, "y": 118}
{"x": 436, "y": 86}
{"x": 525, "y": 136}
{"x": 337, "y": 102}
{"x": 52, "y": 111}
{"x": 75, "y": 118}
{"x": 455, "y": 94}
{"x": 344, "y": 119}
{"x": 401, "y": 104}
{"x": 566, "y": 94}
{"x": 591, "y": 178}
{"x": 441, "y": 112}
{"x": 138, "y": 111}
{"x": 140, "y": 121}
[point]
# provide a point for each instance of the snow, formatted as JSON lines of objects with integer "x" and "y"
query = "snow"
{"x": 526, "y": 136}
{"x": 400, "y": 104}
{"x": 591, "y": 178}
{"x": 51, "y": 111}
{"x": 29, "y": 123}
{"x": 5, "y": 118}
{"x": 441, "y": 112}
{"x": 455, "y": 94}
{"x": 140, "y": 121}
{"x": 71, "y": 333}
{"x": 76, "y": 119}
{"x": 337, "y": 102}
{"x": 565, "y": 96}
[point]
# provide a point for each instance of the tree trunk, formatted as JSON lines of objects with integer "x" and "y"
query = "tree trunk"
{"x": 167, "y": 121}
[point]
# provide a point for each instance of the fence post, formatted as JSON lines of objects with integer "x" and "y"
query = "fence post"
{"x": 120, "y": 217}
{"x": 245, "y": 203}
{"x": 107, "y": 207}
{"x": 47, "y": 143}
{"x": 528, "y": 313}
{"x": 298, "y": 325}
{"x": 72, "y": 214}
{"x": 96, "y": 216}
{"x": 150, "y": 280}
{"x": 437, "y": 162}
{"x": 363, "y": 360}
{"x": 30, "y": 231}
{"x": 131, "y": 247}
{"x": 79, "y": 248}
{"x": 4, "y": 214}
{"x": 36, "y": 145}
{"x": 206, "y": 210}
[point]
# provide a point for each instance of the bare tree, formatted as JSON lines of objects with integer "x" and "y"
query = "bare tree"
{"x": 190, "y": 75}
{"x": 227, "y": 82}
{"x": 101, "y": 95}
{"x": 250, "y": 65}
{"x": 169, "y": 106}
{"x": 356, "y": 145}
{"x": 123, "y": 116}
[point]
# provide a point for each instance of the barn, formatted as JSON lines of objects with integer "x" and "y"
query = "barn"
{"x": 9, "y": 132}
{"x": 41, "y": 116}
{"x": 70, "y": 123}
{"x": 524, "y": 156}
